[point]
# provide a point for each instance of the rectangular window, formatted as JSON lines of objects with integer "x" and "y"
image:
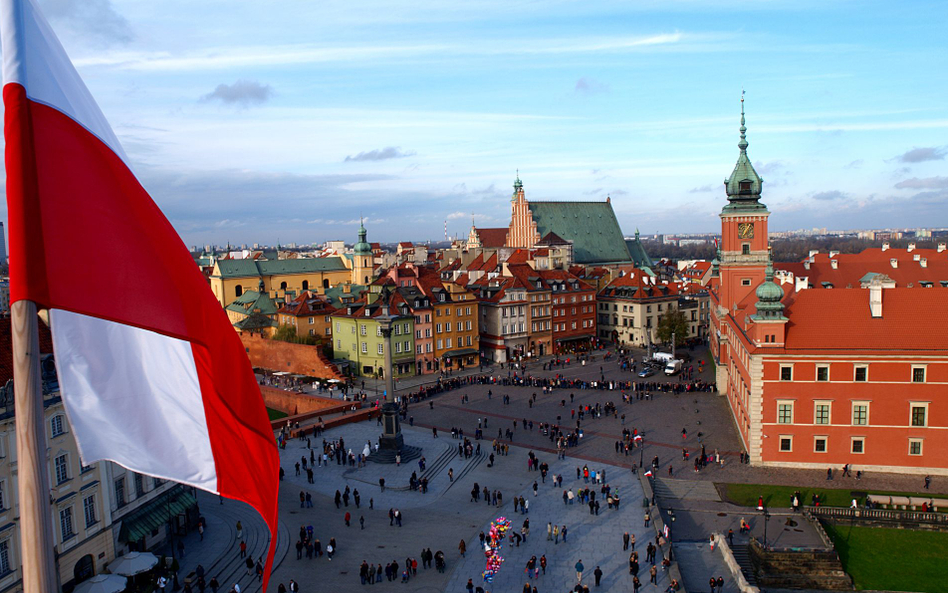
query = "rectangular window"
{"x": 745, "y": 249}
{"x": 398, "y": 347}
{"x": 88, "y": 507}
{"x": 785, "y": 413}
{"x": 438, "y": 328}
{"x": 62, "y": 468}
{"x": 919, "y": 413}
{"x": 745, "y": 281}
{"x": 440, "y": 344}
{"x": 4, "y": 556}
{"x": 858, "y": 445}
{"x": 461, "y": 326}
{"x": 915, "y": 446}
{"x": 398, "y": 330}
{"x": 362, "y": 329}
{"x": 417, "y": 334}
{"x": 56, "y": 425}
{"x": 860, "y": 414}
{"x": 417, "y": 348}
{"x": 447, "y": 343}
{"x": 822, "y": 413}
{"x": 3, "y": 499}
{"x": 822, "y": 373}
{"x": 339, "y": 344}
{"x": 365, "y": 348}
{"x": 120, "y": 492}
{"x": 786, "y": 373}
{"x": 862, "y": 374}
{"x": 469, "y": 341}
{"x": 65, "y": 523}
{"x": 819, "y": 444}
{"x": 918, "y": 374}
{"x": 786, "y": 443}
{"x": 381, "y": 351}
{"x": 139, "y": 486}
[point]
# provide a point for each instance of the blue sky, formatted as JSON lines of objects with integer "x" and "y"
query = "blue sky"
{"x": 258, "y": 121}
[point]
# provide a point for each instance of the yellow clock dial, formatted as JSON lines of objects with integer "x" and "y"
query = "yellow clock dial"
{"x": 745, "y": 230}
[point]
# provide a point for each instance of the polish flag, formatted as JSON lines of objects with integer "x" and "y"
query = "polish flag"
{"x": 648, "y": 474}
{"x": 152, "y": 374}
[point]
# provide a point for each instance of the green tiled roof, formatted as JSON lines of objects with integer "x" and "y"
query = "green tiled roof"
{"x": 591, "y": 226}
{"x": 241, "y": 268}
{"x": 252, "y": 300}
{"x": 637, "y": 251}
{"x": 336, "y": 293}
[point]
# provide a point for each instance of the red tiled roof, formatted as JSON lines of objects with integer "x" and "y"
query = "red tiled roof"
{"x": 6, "y": 347}
{"x": 520, "y": 256}
{"x": 492, "y": 237}
{"x": 839, "y": 319}
{"x": 851, "y": 267}
{"x": 308, "y": 303}
{"x": 406, "y": 244}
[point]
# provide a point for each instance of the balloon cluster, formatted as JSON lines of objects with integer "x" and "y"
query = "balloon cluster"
{"x": 492, "y": 545}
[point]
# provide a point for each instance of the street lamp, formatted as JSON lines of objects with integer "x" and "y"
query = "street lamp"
{"x": 766, "y": 520}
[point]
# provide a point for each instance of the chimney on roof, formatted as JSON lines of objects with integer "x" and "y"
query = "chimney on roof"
{"x": 894, "y": 262}
{"x": 813, "y": 252}
{"x": 942, "y": 247}
{"x": 917, "y": 257}
{"x": 911, "y": 247}
{"x": 885, "y": 246}
{"x": 833, "y": 253}
{"x": 875, "y": 297}
{"x": 806, "y": 265}
{"x": 834, "y": 263}
{"x": 800, "y": 283}
{"x": 923, "y": 262}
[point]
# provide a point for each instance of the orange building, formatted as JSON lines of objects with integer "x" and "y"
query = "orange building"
{"x": 836, "y": 360}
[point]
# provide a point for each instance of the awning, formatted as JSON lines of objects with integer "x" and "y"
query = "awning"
{"x": 461, "y": 352}
{"x": 155, "y": 514}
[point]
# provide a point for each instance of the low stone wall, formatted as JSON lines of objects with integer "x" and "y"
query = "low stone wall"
{"x": 665, "y": 546}
{"x": 890, "y": 519}
{"x": 732, "y": 565}
{"x": 790, "y": 568}
{"x": 300, "y": 359}
{"x": 292, "y": 403}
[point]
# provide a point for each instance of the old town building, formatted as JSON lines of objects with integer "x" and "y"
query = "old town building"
{"x": 358, "y": 337}
{"x": 629, "y": 308}
{"x": 309, "y": 314}
{"x": 574, "y": 311}
{"x": 835, "y": 360}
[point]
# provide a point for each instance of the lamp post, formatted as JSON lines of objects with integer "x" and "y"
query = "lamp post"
{"x": 766, "y": 520}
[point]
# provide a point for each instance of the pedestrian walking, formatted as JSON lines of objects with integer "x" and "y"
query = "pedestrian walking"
{"x": 598, "y": 575}
{"x": 579, "y": 572}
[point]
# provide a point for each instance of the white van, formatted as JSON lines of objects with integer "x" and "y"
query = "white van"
{"x": 673, "y": 367}
{"x": 663, "y": 357}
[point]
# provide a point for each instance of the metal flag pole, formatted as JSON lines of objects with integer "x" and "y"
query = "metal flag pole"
{"x": 36, "y": 532}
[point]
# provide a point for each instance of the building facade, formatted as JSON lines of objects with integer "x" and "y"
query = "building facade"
{"x": 629, "y": 308}
{"x": 357, "y": 334}
{"x": 831, "y": 361}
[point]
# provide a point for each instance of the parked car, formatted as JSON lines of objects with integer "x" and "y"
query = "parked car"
{"x": 646, "y": 372}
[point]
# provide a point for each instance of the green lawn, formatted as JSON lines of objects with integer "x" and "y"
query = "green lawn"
{"x": 779, "y": 496}
{"x": 276, "y": 414}
{"x": 892, "y": 559}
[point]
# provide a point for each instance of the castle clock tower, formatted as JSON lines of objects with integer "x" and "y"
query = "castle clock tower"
{"x": 743, "y": 255}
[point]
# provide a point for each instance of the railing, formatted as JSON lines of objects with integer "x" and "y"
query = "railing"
{"x": 880, "y": 514}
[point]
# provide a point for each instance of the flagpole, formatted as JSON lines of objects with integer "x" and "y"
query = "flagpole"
{"x": 36, "y": 533}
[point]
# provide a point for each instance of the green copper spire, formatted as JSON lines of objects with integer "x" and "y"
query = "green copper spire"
{"x": 769, "y": 297}
{"x": 362, "y": 247}
{"x": 518, "y": 185}
{"x": 744, "y": 185}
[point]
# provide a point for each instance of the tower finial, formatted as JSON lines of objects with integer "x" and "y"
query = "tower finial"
{"x": 518, "y": 185}
{"x": 743, "y": 143}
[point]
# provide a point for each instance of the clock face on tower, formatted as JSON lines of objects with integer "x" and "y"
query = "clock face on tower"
{"x": 745, "y": 230}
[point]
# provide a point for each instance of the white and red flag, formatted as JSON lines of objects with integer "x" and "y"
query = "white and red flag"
{"x": 152, "y": 374}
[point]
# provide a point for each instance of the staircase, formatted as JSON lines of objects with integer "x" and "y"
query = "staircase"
{"x": 670, "y": 489}
{"x": 742, "y": 556}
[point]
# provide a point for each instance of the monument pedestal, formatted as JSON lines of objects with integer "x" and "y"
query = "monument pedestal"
{"x": 391, "y": 442}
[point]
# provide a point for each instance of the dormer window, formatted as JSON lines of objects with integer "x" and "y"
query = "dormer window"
{"x": 745, "y": 187}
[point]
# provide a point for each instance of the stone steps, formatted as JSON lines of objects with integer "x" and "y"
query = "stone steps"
{"x": 742, "y": 556}
{"x": 671, "y": 489}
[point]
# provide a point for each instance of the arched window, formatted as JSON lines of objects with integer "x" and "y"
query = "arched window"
{"x": 325, "y": 282}
{"x": 366, "y": 281}
{"x": 282, "y": 285}
{"x": 365, "y": 263}
{"x": 305, "y": 284}
{"x": 239, "y": 290}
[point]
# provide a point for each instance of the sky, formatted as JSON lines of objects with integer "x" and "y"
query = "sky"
{"x": 287, "y": 121}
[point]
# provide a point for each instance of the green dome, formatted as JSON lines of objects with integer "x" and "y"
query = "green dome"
{"x": 769, "y": 297}
{"x": 362, "y": 247}
{"x": 769, "y": 292}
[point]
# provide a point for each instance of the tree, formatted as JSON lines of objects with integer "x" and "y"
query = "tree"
{"x": 673, "y": 322}
{"x": 287, "y": 333}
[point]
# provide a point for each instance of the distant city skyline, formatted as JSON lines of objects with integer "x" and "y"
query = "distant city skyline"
{"x": 290, "y": 121}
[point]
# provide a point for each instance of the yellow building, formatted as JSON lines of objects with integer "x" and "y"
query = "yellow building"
{"x": 232, "y": 277}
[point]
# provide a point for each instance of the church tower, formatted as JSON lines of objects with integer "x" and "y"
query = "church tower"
{"x": 523, "y": 229}
{"x": 743, "y": 256}
{"x": 362, "y": 260}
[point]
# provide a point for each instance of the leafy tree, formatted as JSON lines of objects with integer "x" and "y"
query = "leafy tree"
{"x": 287, "y": 333}
{"x": 673, "y": 321}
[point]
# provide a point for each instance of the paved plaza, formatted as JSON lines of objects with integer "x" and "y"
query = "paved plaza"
{"x": 444, "y": 516}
